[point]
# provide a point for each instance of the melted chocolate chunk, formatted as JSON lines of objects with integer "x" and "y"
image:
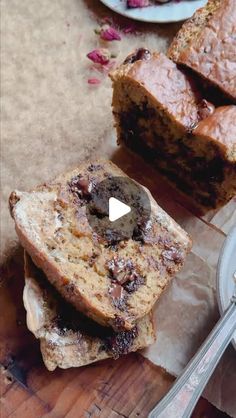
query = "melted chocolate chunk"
{"x": 121, "y": 342}
{"x": 116, "y": 291}
{"x": 134, "y": 284}
{"x": 125, "y": 276}
{"x": 112, "y": 237}
{"x": 122, "y": 271}
{"x": 138, "y": 234}
{"x": 173, "y": 254}
{"x": 116, "y": 267}
{"x": 142, "y": 232}
{"x": 118, "y": 296}
{"x": 64, "y": 322}
{"x": 140, "y": 54}
{"x": 81, "y": 187}
{"x": 118, "y": 323}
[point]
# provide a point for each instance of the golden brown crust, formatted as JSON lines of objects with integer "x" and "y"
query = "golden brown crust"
{"x": 211, "y": 52}
{"x": 165, "y": 84}
{"x": 191, "y": 29}
{"x": 220, "y": 127}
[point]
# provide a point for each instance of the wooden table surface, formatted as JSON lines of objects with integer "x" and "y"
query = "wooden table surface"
{"x": 128, "y": 387}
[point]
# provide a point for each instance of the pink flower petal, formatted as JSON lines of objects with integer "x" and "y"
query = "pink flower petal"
{"x": 110, "y": 34}
{"x": 94, "y": 81}
{"x": 137, "y": 3}
{"x": 99, "y": 56}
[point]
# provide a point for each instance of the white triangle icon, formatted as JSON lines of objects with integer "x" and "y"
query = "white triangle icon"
{"x": 117, "y": 209}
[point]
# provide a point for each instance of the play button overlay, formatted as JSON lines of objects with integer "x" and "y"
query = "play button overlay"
{"x": 118, "y": 209}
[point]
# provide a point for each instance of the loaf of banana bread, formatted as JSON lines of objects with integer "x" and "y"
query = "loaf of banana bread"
{"x": 113, "y": 282}
{"x": 159, "y": 115}
{"x": 206, "y": 43}
{"x": 68, "y": 338}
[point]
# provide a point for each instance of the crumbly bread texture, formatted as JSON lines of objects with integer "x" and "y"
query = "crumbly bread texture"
{"x": 67, "y": 338}
{"x": 113, "y": 284}
{"x": 206, "y": 43}
{"x": 159, "y": 115}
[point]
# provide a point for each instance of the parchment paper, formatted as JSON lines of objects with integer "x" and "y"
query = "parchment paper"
{"x": 52, "y": 119}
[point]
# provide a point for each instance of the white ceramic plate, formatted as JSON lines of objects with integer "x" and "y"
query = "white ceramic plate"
{"x": 162, "y": 13}
{"x": 225, "y": 271}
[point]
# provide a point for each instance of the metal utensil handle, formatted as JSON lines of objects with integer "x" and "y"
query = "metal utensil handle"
{"x": 183, "y": 396}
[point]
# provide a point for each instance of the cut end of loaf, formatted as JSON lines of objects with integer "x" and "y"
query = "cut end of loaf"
{"x": 196, "y": 155}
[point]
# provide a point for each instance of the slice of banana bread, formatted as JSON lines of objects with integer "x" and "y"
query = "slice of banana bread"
{"x": 113, "y": 283}
{"x": 67, "y": 338}
{"x": 206, "y": 43}
{"x": 157, "y": 112}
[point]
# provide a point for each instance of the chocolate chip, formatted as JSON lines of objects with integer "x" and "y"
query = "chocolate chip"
{"x": 81, "y": 187}
{"x": 134, "y": 284}
{"x": 112, "y": 237}
{"x": 118, "y": 296}
{"x": 125, "y": 274}
{"x": 116, "y": 291}
{"x": 140, "y": 54}
{"x": 121, "y": 342}
{"x": 84, "y": 186}
{"x": 60, "y": 216}
{"x": 173, "y": 254}
{"x": 116, "y": 268}
{"x": 138, "y": 234}
{"x": 118, "y": 323}
{"x": 142, "y": 231}
{"x": 94, "y": 167}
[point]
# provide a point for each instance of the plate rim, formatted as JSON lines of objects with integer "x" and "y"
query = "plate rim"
{"x": 220, "y": 271}
{"x": 149, "y": 20}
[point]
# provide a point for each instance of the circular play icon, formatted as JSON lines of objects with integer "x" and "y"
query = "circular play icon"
{"x": 118, "y": 209}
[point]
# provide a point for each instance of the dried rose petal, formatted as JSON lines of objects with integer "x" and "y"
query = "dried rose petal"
{"x": 99, "y": 56}
{"x": 110, "y": 34}
{"x": 94, "y": 81}
{"x": 131, "y": 4}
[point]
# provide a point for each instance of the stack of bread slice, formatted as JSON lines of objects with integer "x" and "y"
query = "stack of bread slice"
{"x": 179, "y": 111}
{"x": 88, "y": 298}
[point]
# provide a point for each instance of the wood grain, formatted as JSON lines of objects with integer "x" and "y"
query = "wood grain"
{"x": 128, "y": 387}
